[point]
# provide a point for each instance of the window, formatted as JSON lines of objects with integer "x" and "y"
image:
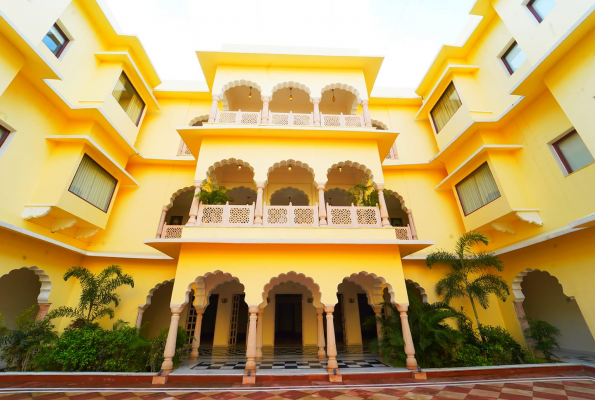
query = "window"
{"x": 128, "y": 98}
{"x": 513, "y": 58}
{"x": 93, "y": 184}
{"x": 56, "y": 40}
{"x": 541, "y": 8}
{"x": 572, "y": 152}
{"x": 3, "y": 135}
{"x": 446, "y": 107}
{"x": 478, "y": 189}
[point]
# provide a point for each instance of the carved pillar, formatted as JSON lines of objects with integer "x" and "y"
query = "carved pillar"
{"x": 412, "y": 225}
{"x": 378, "y": 314}
{"x": 170, "y": 344}
{"x": 197, "y": 329}
{"x": 161, "y": 221}
{"x": 331, "y": 347}
{"x": 194, "y": 206}
{"x": 259, "y": 335}
{"x": 316, "y": 102}
{"x": 214, "y": 107}
{"x": 411, "y": 362}
{"x": 251, "y": 349}
{"x": 321, "y": 352}
{"x": 321, "y": 205}
{"x": 258, "y": 210}
{"x": 44, "y": 308}
{"x": 367, "y": 119}
{"x": 264, "y": 119}
{"x": 383, "y": 209}
{"x": 139, "y": 316}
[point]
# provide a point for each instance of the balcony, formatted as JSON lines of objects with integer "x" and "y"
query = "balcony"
{"x": 289, "y": 119}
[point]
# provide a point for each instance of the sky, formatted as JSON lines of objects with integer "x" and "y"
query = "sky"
{"x": 408, "y": 33}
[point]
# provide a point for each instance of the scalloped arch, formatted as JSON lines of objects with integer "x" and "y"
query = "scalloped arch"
{"x": 289, "y": 84}
{"x": 211, "y": 170}
{"x": 422, "y": 291}
{"x": 347, "y": 88}
{"x": 46, "y": 284}
{"x": 376, "y": 122}
{"x": 236, "y": 83}
{"x": 175, "y": 195}
{"x": 291, "y": 187}
{"x": 202, "y": 118}
{"x": 152, "y": 291}
{"x": 374, "y": 294}
{"x": 399, "y": 197}
{"x": 368, "y": 176}
{"x": 294, "y": 277}
{"x": 517, "y": 289}
{"x": 201, "y": 290}
{"x": 297, "y": 163}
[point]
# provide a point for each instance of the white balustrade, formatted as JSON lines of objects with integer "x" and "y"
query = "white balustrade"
{"x": 342, "y": 120}
{"x": 238, "y": 117}
{"x": 291, "y": 119}
{"x": 290, "y": 215}
{"x": 225, "y": 215}
{"x": 171, "y": 231}
{"x": 355, "y": 217}
{"x": 403, "y": 232}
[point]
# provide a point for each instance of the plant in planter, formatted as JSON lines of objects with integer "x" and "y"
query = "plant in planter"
{"x": 214, "y": 195}
{"x": 545, "y": 337}
{"x": 364, "y": 195}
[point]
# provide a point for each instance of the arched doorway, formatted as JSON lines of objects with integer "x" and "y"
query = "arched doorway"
{"x": 290, "y": 97}
{"x": 19, "y": 290}
{"x": 245, "y": 96}
{"x": 157, "y": 313}
{"x": 339, "y": 99}
{"x": 544, "y": 299}
{"x": 284, "y": 196}
{"x": 396, "y": 214}
{"x": 342, "y": 177}
{"x": 242, "y": 195}
{"x": 293, "y": 315}
{"x": 290, "y": 177}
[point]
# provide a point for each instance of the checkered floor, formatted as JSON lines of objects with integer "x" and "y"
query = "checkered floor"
{"x": 307, "y": 364}
{"x": 278, "y": 351}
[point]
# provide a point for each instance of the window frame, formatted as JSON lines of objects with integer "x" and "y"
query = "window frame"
{"x": 4, "y": 134}
{"x": 459, "y": 194}
{"x": 142, "y": 110}
{"x": 99, "y": 165}
{"x": 503, "y": 57}
{"x": 439, "y": 99}
{"x": 567, "y": 169}
{"x": 66, "y": 37}
{"x": 534, "y": 11}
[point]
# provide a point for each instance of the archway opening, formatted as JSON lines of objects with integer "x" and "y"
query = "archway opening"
{"x": 345, "y": 102}
{"x": 284, "y": 196}
{"x": 397, "y": 216}
{"x": 338, "y": 197}
{"x": 242, "y": 195}
{"x": 19, "y": 290}
{"x": 351, "y": 311}
{"x": 157, "y": 315}
{"x": 545, "y": 300}
{"x": 288, "y": 179}
{"x": 299, "y": 102}
{"x": 237, "y": 177}
{"x": 342, "y": 177}
{"x": 290, "y": 308}
{"x": 179, "y": 213}
{"x": 243, "y": 97}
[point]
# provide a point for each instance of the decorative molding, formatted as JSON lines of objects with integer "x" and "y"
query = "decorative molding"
{"x": 504, "y": 227}
{"x": 202, "y": 118}
{"x": 288, "y": 84}
{"x": 211, "y": 170}
{"x": 368, "y": 176}
{"x": 531, "y": 217}
{"x": 293, "y": 277}
{"x": 293, "y": 163}
{"x": 83, "y": 233}
{"x": 347, "y": 88}
{"x": 63, "y": 223}
{"x": 35, "y": 212}
{"x": 46, "y": 284}
{"x": 422, "y": 291}
{"x": 231, "y": 85}
{"x": 380, "y": 124}
{"x": 151, "y": 292}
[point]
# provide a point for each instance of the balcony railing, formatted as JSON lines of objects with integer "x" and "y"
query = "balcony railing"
{"x": 225, "y": 215}
{"x": 290, "y": 215}
{"x": 288, "y": 119}
{"x": 353, "y": 216}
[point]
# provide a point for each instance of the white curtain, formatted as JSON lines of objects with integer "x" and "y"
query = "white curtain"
{"x": 446, "y": 107}
{"x": 120, "y": 88}
{"x": 128, "y": 98}
{"x": 93, "y": 184}
{"x": 478, "y": 189}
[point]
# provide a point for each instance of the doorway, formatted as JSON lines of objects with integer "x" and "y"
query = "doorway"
{"x": 288, "y": 320}
{"x": 366, "y": 312}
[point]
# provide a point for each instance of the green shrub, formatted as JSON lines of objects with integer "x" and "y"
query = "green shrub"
{"x": 156, "y": 347}
{"x": 545, "y": 337}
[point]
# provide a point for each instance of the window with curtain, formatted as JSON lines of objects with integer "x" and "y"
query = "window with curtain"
{"x": 541, "y": 8}
{"x": 93, "y": 184}
{"x": 514, "y": 57}
{"x": 128, "y": 98}
{"x": 3, "y": 135}
{"x": 55, "y": 40}
{"x": 573, "y": 152}
{"x": 446, "y": 107}
{"x": 478, "y": 189}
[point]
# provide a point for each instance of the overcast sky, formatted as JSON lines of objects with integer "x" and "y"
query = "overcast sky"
{"x": 408, "y": 33}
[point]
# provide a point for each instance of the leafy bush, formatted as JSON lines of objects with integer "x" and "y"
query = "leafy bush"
{"x": 544, "y": 336}
{"x": 156, "y": 347}
{"x": 213, "y": 194}
{"x": 20, "y": 346}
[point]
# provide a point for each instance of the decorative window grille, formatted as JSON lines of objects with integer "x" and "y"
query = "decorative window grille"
{"x": 233, "y": 326}
{"x": 191, "y": 320}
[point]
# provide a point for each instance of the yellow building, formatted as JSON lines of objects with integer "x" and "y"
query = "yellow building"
{"x": 100, "y": 162}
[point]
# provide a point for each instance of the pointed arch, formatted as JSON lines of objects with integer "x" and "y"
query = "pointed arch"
{"x": 211, "y": 170}
{"x": 367, "y": 177}
{"x": 236, "y": 83}
{"x": 294, "y": 277}
{"x": 296, "y": 163}
{"x": 292, "y": 84}
{"x": 347, "y": 88}
{"x": 44, "y": 279}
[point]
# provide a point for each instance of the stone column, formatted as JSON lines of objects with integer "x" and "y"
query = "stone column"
{"x": 367, "y": 119}
{"x": 251, "y": 348}
{"x": 259, "y": 334}
{"x": 44, "y": 308}
{"x": 139, "y": 316}
{"x": 316, "y": 102}
{"x": 412, "y": 225}
{"x": 331, "y": 347}
{"x": 321, "y": 352}
{"x": 411, "y": 362}
{"x": 378, "y": 314}
{"x": 214, "y": 107}
{"x": 265, "y": 110}
{"x": 258, "y": 210}
{"x": 170, "y": 344}
{"x": 197, "y": 329}
{"x": 383, "y": 209}
{"x": 195, "y": 202}
{"x": 321, "y": 205}
{"x": 161, "y": 221}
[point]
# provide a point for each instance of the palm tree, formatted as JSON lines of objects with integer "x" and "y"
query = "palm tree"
{"x": 97, "y": 294}
{"x": 469, "y": 274}
{"x": 214, "y": 194}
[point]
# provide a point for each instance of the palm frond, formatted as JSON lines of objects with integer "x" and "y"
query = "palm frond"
{"x": 442, "y": 257}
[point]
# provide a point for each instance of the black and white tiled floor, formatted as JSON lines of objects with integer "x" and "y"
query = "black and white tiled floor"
{"x": 278, "y": 351}
{"x": 305, "y": 364}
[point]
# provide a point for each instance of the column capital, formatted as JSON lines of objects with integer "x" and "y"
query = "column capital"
{"x": 265, "y": 98}
{"x": 216, "y": 97}
{"x": 176, "y": 309}
{"x": 197, "y": 184}
{"x": 364, "y": 102}
{"x": 254, "y": 309}
{"x": 199, "y": 310}
{"x": 408, "y": 211}
{"x": 260, "y": 185}
{"x": 380, "y": 186}
{"x": 320, "y": 186}
{"x": 165, "y": 208}
{"x": 402, "y": 307}
{"x": 319, "y": 310}
{"x": 315, "y": 100}
{"x": 329, "y": 309}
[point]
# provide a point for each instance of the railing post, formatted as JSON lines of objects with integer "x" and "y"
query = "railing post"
{"x": 239, "y": 117}
{"x": 264, "y": 214}
{"x": 412, "y": 224}
{"x": 341, "y": 120}
{"x": 316, "y": 102}
{"x": 329, "y": 213}
{"x": 226, "y": 213}
{"x": 161, "y": 221}
{"x": 353, "y": 213}
{"x": 290, "y": 216}
{"x": 367, "y": 119}
{"x": 290, "y": 119}
{"x": 214, "y": 107}
{"x": 321, "y": 210}
{"x": 383, "y": 209}
{"x": 265, "y": 110}
{"x": 163, "y": 231}
{"x": 258, "y": 209}
{"x": 194, "y": 206}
